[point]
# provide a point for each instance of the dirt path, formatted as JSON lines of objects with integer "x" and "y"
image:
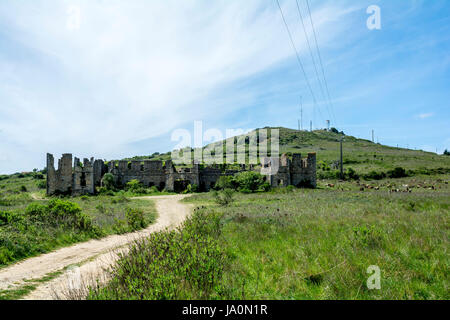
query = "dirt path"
{"x": 92, "y": 257}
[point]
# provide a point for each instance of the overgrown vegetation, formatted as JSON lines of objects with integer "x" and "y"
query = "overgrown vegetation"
{"x": 297, "y": 244}
{"x": 31, "y": 224}
{"x": 183, "y": 264}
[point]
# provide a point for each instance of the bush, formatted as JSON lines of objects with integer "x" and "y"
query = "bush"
{"x": 265, "y": 187}
{"x": 249, "y": 181}
{"x": 135, "y": 186}
{"x": 108, "y": 182}
{"x": 23, "y": 189}
{"x": 351, "y": 174}
{"x": 373, "y": 175}
{"x": 398, "y": 172}
{"x": 135, "y": 218}
{"x": 42, "y": 184}
{"x": 60, "y": 213}
{"x": 38, "y": 176}
{"x": 225, "y": 182}
{"x": 224, "y": 197}
{"x": 191, "y": 189}
{"x": 334, "y": 174}
{"x": 105, "y": 192}
{"x": 7, "y": 217}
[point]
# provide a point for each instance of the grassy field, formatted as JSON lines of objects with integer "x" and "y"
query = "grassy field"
{"x": 318, "y": 244}
{"x": 31, "y": 223}
{"x": 300, "y": 244}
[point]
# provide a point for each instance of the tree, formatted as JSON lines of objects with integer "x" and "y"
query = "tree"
{"x": 108, "y": 181}
{"x": 446, "y": 153}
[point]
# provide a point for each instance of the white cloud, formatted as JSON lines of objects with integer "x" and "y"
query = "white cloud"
{"x": 425, "y": 115}
{"x": 122, "y": 71}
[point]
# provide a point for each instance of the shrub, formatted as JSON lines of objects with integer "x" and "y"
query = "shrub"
{"x": 108, "y": 181}
{"x": 60, "y": 213}
{"x": 38, "y": 176}
{"x": 8, "y": 217}
{"x": 373, "y": 175}
{"x": 69, "y": 214}
{"x": 398, "y": 172}
{"x": 135, "y": 186}
{"x": 265, "y": 187}
{"x": 105, "y": 192}
{"x": 135, "y": 218}
{"x": 42, "y": 184}
{"x": 224, "y": 197}
{"x": 351, "y": 174}
{"x": 191, "y": 189}
{"x": 249, "y": 181}
{"x": 23, "y": 189}
{"x": 321, "y": 165}
{"x": 334, "y": 174}
{"x": 225, "y": 182}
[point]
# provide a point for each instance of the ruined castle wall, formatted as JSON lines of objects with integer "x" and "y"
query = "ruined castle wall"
{"x": 60, "y": 180}
{"x": 83, "y": 181}
{"x": 296, "y": 172}
{"x": 304, "y": 171}
{"x": 99, "y": 171}
{"x": 208, "y": 178}
{"x": 83, "y": 178}
{"x": 51, "y": 175}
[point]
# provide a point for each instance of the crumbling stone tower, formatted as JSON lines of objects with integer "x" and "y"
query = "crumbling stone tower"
{"x": 81, "y": 178}
{"x": 59, "y": 181}
{"x": 283, "y": 172}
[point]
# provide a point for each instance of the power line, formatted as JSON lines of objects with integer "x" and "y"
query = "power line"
{"x": 320, "y": 60}
{"x": 312, "y": 55}
{"x": 298, "y": 57}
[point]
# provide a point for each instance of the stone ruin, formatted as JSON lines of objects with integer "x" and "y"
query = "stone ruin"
{"x": 79, "y": 178}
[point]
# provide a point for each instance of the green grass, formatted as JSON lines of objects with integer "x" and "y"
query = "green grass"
{"x": 318, "y": 244}
{"x": 299, "y": 244}
{"x": 25, "y": 236}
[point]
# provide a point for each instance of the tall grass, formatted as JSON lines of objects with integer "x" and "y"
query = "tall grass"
{"x": 186, "y": 263}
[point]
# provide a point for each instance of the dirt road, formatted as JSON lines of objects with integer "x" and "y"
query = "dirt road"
{"x": 91, "y": 257}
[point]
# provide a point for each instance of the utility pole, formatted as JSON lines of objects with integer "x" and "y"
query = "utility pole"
{"x": 310, "y": 126}
{"x": 373, "y": 136}
{"x": 342, "y": 161}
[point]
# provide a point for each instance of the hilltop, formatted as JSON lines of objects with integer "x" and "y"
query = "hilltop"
{"x": 362, "y": 155}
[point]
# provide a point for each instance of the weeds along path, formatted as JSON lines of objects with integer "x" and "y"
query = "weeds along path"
{"x": 92, "y": 257}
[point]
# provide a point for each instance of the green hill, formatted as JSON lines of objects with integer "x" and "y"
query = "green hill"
{"x": 361, "y": 155}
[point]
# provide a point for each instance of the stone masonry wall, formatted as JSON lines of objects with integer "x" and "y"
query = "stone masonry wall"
{"x": 82, "y": 178}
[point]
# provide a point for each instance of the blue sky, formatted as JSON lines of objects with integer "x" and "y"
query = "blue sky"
{"x": 118, "y": 80}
